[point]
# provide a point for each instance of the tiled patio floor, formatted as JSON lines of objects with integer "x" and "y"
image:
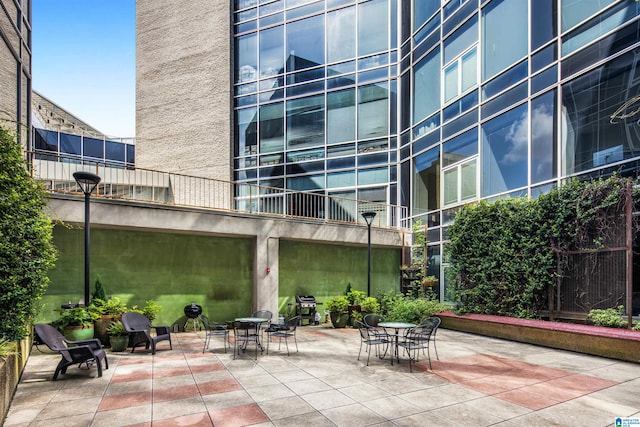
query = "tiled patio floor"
{"x": 478, "y": 381}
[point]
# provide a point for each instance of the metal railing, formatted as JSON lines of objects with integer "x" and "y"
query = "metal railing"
{"x": 55, "y": 172}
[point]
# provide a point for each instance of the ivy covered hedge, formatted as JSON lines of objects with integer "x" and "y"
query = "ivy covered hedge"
{"x": 26, "y": 247}
{"x": 505, "y": 255}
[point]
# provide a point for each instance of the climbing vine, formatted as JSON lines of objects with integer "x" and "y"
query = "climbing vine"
{"x": 506, "y": 255}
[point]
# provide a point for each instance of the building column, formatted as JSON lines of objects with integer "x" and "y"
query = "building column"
{"x": 265, "y": 283}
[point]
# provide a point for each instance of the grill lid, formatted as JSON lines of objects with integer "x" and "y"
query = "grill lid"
{"x": 193, "y": 310}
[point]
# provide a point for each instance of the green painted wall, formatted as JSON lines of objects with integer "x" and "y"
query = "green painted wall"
{"x": 172, "y": 269}
{"x": 324, "y": 270}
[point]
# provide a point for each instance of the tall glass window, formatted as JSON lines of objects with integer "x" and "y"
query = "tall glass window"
{"x": 272, "y": 51}
{"x": 576, "y": 11}
{"x": 341, "y": 34}
{"x": 600, "y": 115}
{"x": 305, "y": 122}
{"x": 426, "y": 181}
{"x": 544, "y": 22}
{"x": 461, "y": 75}
{"x": 426, "y": 86}
{"x": 422, "y": 10}
{"x": 543, "y": 137}
{"x": 373, "y": 27}
{"x": 271, "y": 129}
{"x": 246, "y": 58}
{"x": 504, "y": 35}
{"x": 341, "y": 116}
{"x": 246, "y": 132}
{"x": 505, "y": 152}
{"x": 373, "y": 107}
{"x": 305, "y": 43}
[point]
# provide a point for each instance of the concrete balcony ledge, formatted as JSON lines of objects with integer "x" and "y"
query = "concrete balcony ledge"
{"x": 622, "y": 344}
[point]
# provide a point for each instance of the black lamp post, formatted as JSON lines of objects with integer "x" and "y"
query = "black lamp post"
{"x": 368, "y": 217}
{"x": 87, "y": 182}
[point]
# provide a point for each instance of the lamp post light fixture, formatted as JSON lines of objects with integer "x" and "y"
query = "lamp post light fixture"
{"x": 87, "y": 182}
{"x": 368, "y": 217}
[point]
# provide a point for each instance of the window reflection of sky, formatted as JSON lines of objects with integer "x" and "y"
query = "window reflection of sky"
{"x": 504, "y": 152}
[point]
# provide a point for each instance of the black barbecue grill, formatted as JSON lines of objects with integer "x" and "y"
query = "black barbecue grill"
{"x": 306, "y": 306}
{"x": 192, "y": 312}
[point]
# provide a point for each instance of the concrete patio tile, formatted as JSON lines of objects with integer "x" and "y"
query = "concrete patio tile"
{"x": 132, "y": 415}
{"x": 285, "y": 408}
{"x": 203, "y": 377}
{"x": 308, "y": 386}
{"x": 616, "y": 371}
{"x": 527, "y": 399}
{"x": 258, "y": 381}
{"x": 566, "y": 414}
{"x": 80, "y": 406}
{"x": 339, "y": 381}
{"x": 175, "y": 393}
{"x": 315, "y": 419}
{"x": 80, "y": 420}
{"x": 238, "y": 416}
{"x": 625, "y": 394}
{"x": 22, "y": 415}
{"x": 466, "y": 414}
{"x": 437, "y": 397}
{"x": 613, "y": 408}
{"x": 129, "y": 387}
{"x": 178, "y": 380}
{"x": 201, "y": 419}
{"x": 118, "y": 401}
{"x": 352, "y": 415}
{"x": 364, "y": 392}
{"x": 392, "y": 407}
{"x": 269, "y": 392}
{"x": 291, "y": 376}
{"x": 423, "y": 419}
{"x": 227, "y": 400}
{"x": 327, "y": 399}
{"x": 176, "y": 408}
{"x": 215, "y": 387}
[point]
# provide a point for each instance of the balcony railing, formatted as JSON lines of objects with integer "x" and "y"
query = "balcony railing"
{"x": 55, "y": 172}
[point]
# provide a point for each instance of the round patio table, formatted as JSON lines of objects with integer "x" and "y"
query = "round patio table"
{"x": 258, "y": 321}
{"x": 396, "y": 326}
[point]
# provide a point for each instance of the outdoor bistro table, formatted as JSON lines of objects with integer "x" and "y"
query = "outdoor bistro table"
{"x": 258, "y": 321}
{"x": 396, "y": 326}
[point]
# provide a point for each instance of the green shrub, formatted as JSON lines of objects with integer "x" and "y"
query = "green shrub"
{"x": 413, "y": 310}
{"x": 150, "y": 309}
{"x": 26, "y": 242}
{"x": 337, "y": 304}
{"x": 610, "y": 317}
{"x": 370, "y": 305}
{"x": 98, "y": 292}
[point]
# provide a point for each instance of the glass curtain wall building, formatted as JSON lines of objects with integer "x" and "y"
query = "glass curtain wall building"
{"x": 433, "y": 104}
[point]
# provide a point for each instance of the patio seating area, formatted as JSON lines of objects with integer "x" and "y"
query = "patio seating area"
{"x": 477, "y": 381}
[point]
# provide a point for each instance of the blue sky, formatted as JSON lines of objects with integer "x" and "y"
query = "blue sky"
{"x": 84, "y": 60}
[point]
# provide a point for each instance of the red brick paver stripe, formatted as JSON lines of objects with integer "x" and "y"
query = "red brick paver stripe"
{"x": 194, "y": 420}
{"x": 171, "y": 372}
{"x": 210, "y": 367}
{"x": 174, "y": 393}
{"x": 126, "y": 400}
{"x": 237, "y": 416}
{"x": 142, "y": 374}
{"x": 222, "y": 386}
{"x": 525, "y": 384}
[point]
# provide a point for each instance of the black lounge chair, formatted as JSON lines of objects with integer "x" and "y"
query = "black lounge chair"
{"x": 72, "y": 352}
{"x": 138, "y": 325}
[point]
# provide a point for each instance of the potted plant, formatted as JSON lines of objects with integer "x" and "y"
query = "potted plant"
{"x": 107, "y": 311}
{"x": 338, "y": 313}
{"x": 118, "y": 336}
{"x": 429, "y": 281}
{"x": 76, "y": 323}
{"x": 370, "y": 305}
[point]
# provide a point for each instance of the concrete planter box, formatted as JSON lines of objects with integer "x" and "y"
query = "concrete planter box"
{"x": 10, "y": 371}
{"x": 622, "y": 344}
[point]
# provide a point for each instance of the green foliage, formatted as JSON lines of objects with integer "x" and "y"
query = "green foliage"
{"x": 8, "y": 348}
{"x": 636, "y": 326}
{"x": 355, "y": 296}
{"x": 26, "y": 247}
{"x": 337, "y": 304}
{"x": 412, "y": 310}
{"x": 505, "y": 255}
{"x": 370, "y": 305}
{"x": 98, "y": 292}
{"x": 78, "y": 316}
{"x": 150, "y": 309}
{"x": 114, "y": 306}
{"x": 610, "y": 317}
{"x": 116, "y": 329}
